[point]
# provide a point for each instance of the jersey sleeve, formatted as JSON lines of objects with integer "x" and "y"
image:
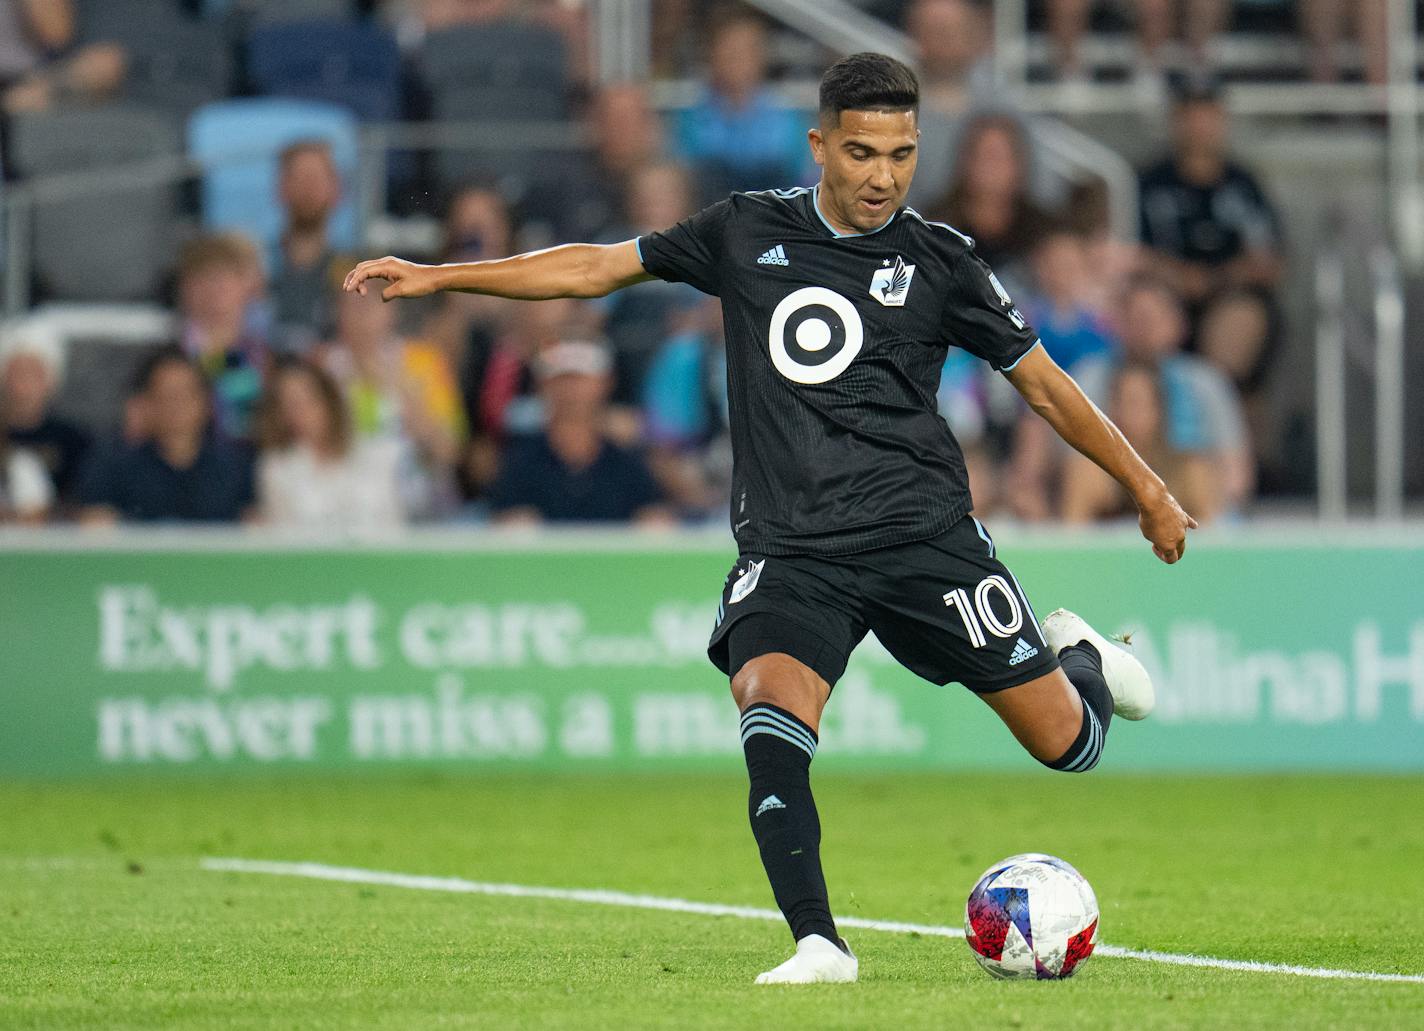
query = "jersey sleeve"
{"x": 691, "y": 251}
{"x": 980, "y": 317}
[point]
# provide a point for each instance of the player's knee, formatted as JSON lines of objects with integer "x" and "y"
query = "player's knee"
{"x": 779, "y": 680}
{"x": 1059, "y": 766}
{"x": 1082, "y": 755}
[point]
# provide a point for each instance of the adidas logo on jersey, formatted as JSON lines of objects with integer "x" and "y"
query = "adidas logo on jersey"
{"x": 775, "y": 256}
{"x": 1023, "y": 651}
{"x": 770, "y": 802}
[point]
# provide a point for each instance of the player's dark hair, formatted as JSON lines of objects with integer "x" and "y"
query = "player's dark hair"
{"x": 868, "y": 82}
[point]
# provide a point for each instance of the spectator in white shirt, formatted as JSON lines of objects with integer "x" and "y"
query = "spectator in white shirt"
{"x": 26, "y": 493}
{"x": 314, "y": 473}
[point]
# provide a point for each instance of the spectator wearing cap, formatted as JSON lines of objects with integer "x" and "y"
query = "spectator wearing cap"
{"x": 1212, "y": 235}
{"x": 186, "y": 471}
{"x": 572, "y": 472}
{"x": 31, "y": 367}
{"x": 219, "y": 282}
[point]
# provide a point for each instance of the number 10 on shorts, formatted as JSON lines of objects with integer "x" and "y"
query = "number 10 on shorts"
{"x": 979, "y": 614}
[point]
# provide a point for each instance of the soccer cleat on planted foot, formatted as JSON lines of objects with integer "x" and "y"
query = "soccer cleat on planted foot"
{"x": 1130, "y": 686}
{"x": 818, "y": 960}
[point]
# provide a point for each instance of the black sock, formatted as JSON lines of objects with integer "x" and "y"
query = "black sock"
{"x": 779, "y": 749}
{"x": 1084, "y": 668}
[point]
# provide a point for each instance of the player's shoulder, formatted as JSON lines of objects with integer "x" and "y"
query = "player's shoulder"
{"x": 779, "y": 197}
{"x": 943, "y": 237}
{"x": 767, "y": 203}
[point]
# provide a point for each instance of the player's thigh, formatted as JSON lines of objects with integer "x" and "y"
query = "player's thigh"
{"x": 1045, "y": 714}
{"x": 948, "y": 610}
{"x": 781, "y": 618}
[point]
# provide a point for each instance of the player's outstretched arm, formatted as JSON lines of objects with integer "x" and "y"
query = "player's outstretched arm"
{"x": 571, "y": 270}
{"x": 1052, "y": 393}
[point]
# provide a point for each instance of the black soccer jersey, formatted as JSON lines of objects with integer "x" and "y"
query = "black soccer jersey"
{"x": 835, "y": 345}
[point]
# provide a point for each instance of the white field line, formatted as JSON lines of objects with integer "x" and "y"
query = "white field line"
{"x": 602, "y": 897}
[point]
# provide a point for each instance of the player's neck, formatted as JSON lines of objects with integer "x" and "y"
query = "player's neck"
{"x": 834, "y": 222}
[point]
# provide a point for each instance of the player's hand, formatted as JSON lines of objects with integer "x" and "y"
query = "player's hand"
{"x": 406, "y": 278}
{"x": 1165, "y": 524}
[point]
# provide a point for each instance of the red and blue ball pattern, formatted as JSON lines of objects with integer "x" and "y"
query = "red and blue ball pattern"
{"x": 1031, "y": 916}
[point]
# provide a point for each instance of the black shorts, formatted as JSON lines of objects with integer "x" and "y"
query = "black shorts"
{"x": 946, "y": 608}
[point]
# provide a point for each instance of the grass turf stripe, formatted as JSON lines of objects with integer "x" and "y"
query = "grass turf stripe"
{"x": 604, "y": 897}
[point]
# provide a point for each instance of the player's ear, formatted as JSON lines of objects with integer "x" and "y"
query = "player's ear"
{"x": 818, "y": 145}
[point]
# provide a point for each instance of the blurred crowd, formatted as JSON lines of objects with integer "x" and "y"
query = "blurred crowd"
{"x": 283, "y": 401}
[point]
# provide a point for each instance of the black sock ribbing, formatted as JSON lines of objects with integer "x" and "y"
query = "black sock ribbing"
{"x": 1084, "y": 668}
{"x": 779, "y": 749}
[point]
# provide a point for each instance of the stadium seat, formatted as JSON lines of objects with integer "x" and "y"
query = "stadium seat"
{"x": 493, "y": 73}
{"x": 264, "y": 12}
{"x": 340, "y": 62}
{"x": 107, "y": 246}
{"x": 238, "y": 141}
{"x": 175, "y": 62}
{"x": 498, "y": 72}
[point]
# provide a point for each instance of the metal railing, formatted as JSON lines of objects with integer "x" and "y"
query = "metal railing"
{"x": 1332, "y": 368}
{"x": 844, "y": 28}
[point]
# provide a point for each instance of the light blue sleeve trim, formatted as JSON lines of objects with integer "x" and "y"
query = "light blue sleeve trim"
{"x": 638, "y": 246}
{"x": 1009, "y": 368}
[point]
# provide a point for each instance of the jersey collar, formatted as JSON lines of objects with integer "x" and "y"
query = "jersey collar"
{"x": 816, "y": 207}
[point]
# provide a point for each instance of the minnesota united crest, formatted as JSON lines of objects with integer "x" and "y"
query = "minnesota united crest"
{"x": 890, "y": 286}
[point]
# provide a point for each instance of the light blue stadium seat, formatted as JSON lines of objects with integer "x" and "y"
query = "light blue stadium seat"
{"x": 238, "y": 142}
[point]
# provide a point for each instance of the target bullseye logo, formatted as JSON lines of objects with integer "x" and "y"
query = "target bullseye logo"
{"x": 815, "y": 334}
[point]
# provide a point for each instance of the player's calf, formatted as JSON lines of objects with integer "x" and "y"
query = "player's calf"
{"x": 1083, "y": 668}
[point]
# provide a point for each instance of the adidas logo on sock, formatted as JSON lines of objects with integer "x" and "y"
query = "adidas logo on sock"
{"x": 770, "y": 802}
{"x": 775, "y": 256}
{"x": 1023, "y": 651}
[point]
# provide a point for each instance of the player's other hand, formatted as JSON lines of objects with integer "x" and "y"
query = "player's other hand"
{"x": 1165, "y": 524}
{"x": 406, "y": 278}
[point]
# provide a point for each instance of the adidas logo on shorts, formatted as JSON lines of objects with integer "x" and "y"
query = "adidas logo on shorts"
{"x": 1023, "y": 651}
{"x": 775, "y": 256}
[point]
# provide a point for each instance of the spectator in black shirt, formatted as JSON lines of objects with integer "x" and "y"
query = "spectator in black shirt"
{"x": 572, "y": 472}
{"x": 185, "y": 472}
{"x": 31, "y": 360}
{"x": 1213, "y": 236}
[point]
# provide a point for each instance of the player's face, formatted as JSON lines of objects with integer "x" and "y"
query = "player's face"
{"x": 867, "y": 161}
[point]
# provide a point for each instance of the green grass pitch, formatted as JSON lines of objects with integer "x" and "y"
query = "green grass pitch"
{"x": 107, "y": 919}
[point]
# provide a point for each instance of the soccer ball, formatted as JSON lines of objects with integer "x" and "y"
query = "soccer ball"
{"x": 1031, "y": 916}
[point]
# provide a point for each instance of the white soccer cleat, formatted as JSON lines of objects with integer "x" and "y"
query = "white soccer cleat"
{"x": 818, "y": 960}
{"x": 1130, "y": 686}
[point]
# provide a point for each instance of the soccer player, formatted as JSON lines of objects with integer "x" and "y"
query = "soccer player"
{"x": 850, "y": 503}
